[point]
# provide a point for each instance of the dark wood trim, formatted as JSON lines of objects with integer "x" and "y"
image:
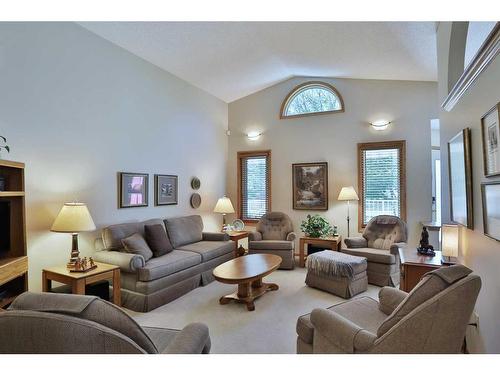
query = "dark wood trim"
{"x": 485, "y": 161}
{"x": 300, "y": 88}
{"x": 401, "y": 145}
{"x": 319, "y": 163}
{"x": 241, "y": 155}
{"x": 485, "y": 212}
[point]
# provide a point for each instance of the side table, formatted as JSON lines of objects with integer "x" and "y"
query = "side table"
{"x": 332, "y": 243}
{"x": 236, "y": 235}
{"x": 414, "y": 266}
{"x": 78, "y": 280}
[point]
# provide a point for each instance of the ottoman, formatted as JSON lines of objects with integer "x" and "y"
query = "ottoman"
{"x": 341, "y": 274}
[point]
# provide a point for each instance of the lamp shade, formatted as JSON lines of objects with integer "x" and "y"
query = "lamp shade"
{"x": 449, "y": 240}
{"x": 224, "y": 206}
{"x": 73, "y": 218}
{"x": 348, "y": 194}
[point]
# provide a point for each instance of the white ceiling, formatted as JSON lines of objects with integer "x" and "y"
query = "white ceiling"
{"x": 234, "y": 59}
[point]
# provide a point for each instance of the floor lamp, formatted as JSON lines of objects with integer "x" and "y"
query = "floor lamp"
{"x": 348, "y": 194}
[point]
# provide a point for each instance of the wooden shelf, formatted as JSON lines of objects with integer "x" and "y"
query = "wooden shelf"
{"x": 10, "y": 268}
{"x": 11, "y": 194}
{"x": 11, "y": 164}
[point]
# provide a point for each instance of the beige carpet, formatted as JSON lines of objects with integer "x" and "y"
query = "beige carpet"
{"x": 233, "y": 329}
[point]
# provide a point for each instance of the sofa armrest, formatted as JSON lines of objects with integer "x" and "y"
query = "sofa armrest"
{"x": 127, "y": 262}
{"x": 215, "y": 236}
{"x": 341, "y": 332}
{"x": 389, "y": 298}
{"x": 291, "y": 236}
{"x": 193, "y": 339}
{"x": 255, "y": 236}
{"x": 356, "y": 242}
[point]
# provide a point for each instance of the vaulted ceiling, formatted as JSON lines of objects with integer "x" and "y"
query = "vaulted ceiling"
{"x": 234, "y": 59}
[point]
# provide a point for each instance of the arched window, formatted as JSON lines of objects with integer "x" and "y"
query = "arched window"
{"x": 312, "y": 98}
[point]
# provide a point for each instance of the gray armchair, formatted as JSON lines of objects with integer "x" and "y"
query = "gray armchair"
{"x": 274, "y": 235}
{"x": 47, "y": 323}
{"x": 432, "y": 318}
{"x": 379, "y": 245}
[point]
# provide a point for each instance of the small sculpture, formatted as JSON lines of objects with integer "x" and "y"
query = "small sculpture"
{"x": 91, "y": 261}
{"x": 425, "y": 248}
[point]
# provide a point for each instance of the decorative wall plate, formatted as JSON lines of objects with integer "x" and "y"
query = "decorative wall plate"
{"x": 195, "y": 200}
{"x": 195, "y": 183}
{"x": 238, "y": 224}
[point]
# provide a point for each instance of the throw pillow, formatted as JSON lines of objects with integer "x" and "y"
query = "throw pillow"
{"x": 135, "y": 244}
{"x": 157, "y": 239}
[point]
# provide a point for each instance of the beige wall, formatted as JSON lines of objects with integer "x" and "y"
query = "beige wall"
{"x": 477, "y": 251}
{"x": 333, "y": 138}
{"x": 78, "y": 109}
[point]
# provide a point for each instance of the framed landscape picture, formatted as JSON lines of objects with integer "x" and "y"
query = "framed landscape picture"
{"x": 490, "y": 130}
{"x": 165, "y": 189}
{"x": 490, "y": 194}
{"x": 310, "y": 186}
{"x": 460, "y": 177}
{"x": 132, "y": 189}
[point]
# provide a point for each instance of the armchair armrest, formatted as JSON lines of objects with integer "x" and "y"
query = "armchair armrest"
{"x": 356, "y": 242}
{"x": 341, "y": 332}
{"x": 193, "y": 339}
{"x": 394, "y": 249}
{"x": 389, "y": 298}
{"x": 291, "y": 236}
{"x": 215, "y": 236}
{"x": 255, "y": 236}
{"x": 127, "y": 262}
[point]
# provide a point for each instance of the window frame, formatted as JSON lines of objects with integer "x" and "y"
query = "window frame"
{"x": 301, "y": 87}
{"x": 401, "y": 146}
{"x": 242, "y": 155}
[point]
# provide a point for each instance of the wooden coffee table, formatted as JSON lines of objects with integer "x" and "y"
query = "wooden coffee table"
{"x": 247, "y": 271}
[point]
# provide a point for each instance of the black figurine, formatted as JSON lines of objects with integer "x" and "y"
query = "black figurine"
{"x": 425, "y": 248}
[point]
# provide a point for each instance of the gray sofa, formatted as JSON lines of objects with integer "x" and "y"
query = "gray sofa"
{"x": 49, "y": 323}
{"x": 379, "y": 244}
{"x": 146, "y": 285}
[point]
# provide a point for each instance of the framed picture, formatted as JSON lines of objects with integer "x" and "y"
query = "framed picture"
{"x": 165, "y": 189}
{"x": 490, "y": 194}
{"x": 132, "y": 189}
{"x": 460, "y": 175}
{"x": 310, "y": 186}
{"x": 490, "y": 130}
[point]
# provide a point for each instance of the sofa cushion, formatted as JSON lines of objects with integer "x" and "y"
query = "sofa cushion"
{"x": 113, "y": 235}
{"x": 136, "y": 244}
{"x": 157, "y": 239}
{"x": 372, "y": 255}
{"x": 363, "y": 311}
{"x": 168, "y": 264}
{"x": 209, "y": 249}
{"x": 184, "y": 230}
{"x": 270, "y": 245}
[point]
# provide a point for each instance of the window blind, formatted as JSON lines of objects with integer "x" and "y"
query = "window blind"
{"x": 381, "y": 180}
{"x": 254, "y": 185}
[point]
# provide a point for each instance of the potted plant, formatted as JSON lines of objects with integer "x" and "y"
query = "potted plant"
{"x": 4, "y": 145}
{"x": 316, "y": 226}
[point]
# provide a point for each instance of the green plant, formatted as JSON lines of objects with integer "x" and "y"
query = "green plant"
{"x": 5, "y": 146}
{"x": 316, "y": 226}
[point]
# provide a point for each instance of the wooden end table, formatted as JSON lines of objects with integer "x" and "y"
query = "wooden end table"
{"x": 236, "y": 235}
{"x": 332, "y": 243}
{"x": 414, "y": 266}
{"x": 78, "y": 280}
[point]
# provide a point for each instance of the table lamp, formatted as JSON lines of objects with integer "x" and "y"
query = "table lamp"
{"x": 224, "y": 206}
{"x": 73, "y": 218}
{"x": 449, "y": 241}
{"x": 348, "y": 194}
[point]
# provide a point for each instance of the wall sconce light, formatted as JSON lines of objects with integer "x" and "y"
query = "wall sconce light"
{"x": 380, "y": 124}
{"x": 253, "y": 136}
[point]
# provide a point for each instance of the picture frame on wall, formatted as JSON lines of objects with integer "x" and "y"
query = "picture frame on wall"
{"x": 490, "y": 195}
{"x": 460, "y": 178}
{"x": 133, "y": 189}
{"x": 310, "y": 186}
{"x": 490, "y": 132}
{"x": 166, "y": 189}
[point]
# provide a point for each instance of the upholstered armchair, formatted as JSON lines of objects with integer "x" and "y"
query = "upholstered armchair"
{"x": 50, "y": 323}
{"x": 274, "y": 235}
{"x": 432, "y": 318}
{"x": 379, "y": 244}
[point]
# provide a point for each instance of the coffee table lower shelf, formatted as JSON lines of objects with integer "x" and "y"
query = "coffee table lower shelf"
{"x": 248, "y": 292}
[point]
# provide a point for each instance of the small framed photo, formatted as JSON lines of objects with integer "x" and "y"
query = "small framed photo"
{"x": 490, "y": 194}
{"x": 165, "y": 189}
{"x": 133, "y": 189}
{"x": 310, "y": 186}
{"x": 490, "y": 129}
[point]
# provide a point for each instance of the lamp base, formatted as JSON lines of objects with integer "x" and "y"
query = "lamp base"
{"x": 75, "y": 254}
